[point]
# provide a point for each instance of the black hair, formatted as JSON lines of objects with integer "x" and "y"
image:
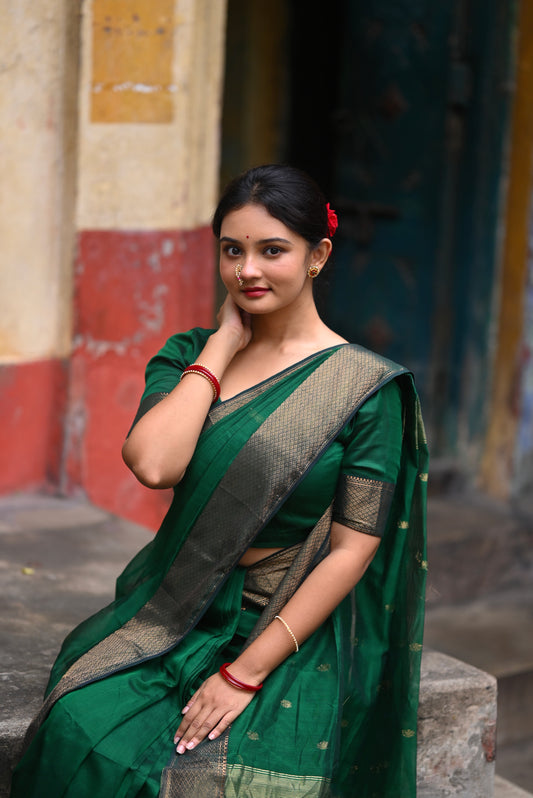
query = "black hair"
{"x": 287, "y": 193}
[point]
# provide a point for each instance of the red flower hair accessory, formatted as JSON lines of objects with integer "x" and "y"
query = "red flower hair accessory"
{"x": 333, "y": 222}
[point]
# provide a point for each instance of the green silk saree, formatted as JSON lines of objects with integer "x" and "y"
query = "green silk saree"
{"x": 339, "y": 718}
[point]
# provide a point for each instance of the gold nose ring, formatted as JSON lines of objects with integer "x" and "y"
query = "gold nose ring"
{"x": 238, "y": 269}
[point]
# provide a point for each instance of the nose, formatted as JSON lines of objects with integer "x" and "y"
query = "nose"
{"x": 249, "y": 269}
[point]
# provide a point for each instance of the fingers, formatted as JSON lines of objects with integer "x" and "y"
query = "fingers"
{"x": 209, "y": 713}
{"x": 221, "y": 727}
{"x": 190, "y": 703}
{"x": 200, "y": 728}
{"x": 229, "y": 312}
{"x": 231, "y": 317}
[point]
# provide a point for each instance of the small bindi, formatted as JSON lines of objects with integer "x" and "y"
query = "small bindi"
{"x": 247, "y": 236}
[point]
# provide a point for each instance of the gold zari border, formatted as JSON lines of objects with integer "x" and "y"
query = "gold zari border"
{"x": 363, "y": 504}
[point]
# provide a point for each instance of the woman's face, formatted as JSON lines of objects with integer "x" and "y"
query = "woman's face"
{"x": 273, "y": 260}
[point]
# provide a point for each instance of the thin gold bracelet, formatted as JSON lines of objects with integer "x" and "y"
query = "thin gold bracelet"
{"x": 195, "y": 368}
{"x": 288, "y": 628}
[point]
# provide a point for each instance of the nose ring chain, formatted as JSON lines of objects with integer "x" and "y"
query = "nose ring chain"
{"x": 238, "y": 269}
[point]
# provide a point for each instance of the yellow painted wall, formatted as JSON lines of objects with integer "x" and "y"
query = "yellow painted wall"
{"x": 130, "y": 143}
{"x": 498, "y": 461}
{"x": 37, "y": 146}
{"x": 149, "y": 133}
{"x": 132, "y": 59}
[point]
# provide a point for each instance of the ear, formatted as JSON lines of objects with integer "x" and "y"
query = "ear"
{"x": 321, "y": 253}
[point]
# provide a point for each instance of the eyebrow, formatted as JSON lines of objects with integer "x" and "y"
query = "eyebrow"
{"x": 262, "y": 241}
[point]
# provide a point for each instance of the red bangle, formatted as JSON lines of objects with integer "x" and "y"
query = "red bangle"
{"x": 253, "y": 688}
{"x": 198, "y": 368}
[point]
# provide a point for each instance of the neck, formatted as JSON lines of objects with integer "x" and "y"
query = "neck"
{"x": 288, "y": 326}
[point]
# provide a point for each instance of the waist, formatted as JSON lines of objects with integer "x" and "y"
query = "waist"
{"x": 254, "y": 555}
{"x": 264, "y": 576}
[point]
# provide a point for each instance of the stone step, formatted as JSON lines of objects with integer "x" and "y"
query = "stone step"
{"x": 58, "y": 563}
{"x": 457, "y": 720}
{"x": 476, "y": 546}
{"x": 480, "y": 608}
{"x": 515, "y": 763}
{"x": 505, "y": 789}
{"x": 494, "y": 634}
{"x": 457, "y": 729}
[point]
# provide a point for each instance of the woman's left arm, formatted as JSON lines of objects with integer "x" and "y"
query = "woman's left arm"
{"x": 216, "y": 704}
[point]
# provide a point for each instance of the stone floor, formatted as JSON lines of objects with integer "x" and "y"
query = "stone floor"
{"x": 34, "y": 618}
{"x": 480, "y": 610}
{"x": 506, "y": 789}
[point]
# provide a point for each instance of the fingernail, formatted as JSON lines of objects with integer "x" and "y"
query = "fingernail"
{"x": 184, "y": 710}
{"x": 190, "y": 745}
{"x": 212, "y": 735}
{"x": 180, "y": 749}
{"x": 177, "y": 738}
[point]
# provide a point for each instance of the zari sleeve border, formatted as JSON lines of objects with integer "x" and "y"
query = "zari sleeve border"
{"x": 363, "y": 504}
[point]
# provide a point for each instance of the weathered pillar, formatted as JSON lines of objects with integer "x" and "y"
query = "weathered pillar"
{"x": 150, "y": 97}
{"x": 111, "y": 137}
{"x": 38, "y": 94}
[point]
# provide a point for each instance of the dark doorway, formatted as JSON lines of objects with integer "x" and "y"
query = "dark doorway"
{"x": 399, "y": 109}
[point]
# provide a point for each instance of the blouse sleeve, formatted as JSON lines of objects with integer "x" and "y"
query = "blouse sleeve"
{"x": 371, "y": 463}
{"x": 164, "y": 370}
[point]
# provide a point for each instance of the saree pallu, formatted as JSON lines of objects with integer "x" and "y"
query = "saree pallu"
{"x": 338, "y": 719}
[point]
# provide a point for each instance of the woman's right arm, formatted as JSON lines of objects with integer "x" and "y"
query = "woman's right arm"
{"x": 162, "y": 443}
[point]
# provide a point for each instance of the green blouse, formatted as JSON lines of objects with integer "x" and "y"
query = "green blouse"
{"x": 365, "y": 456}
{"x": 359, "y": 469}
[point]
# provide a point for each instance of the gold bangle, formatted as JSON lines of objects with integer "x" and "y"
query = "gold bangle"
{"x": 197, "y": 368}
{"x": 288, "y": 628}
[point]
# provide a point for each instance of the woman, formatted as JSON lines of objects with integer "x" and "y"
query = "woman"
{"x": 267, "y": 642}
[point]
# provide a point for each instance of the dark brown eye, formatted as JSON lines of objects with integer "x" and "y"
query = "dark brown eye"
{"x": 232, "y": 250}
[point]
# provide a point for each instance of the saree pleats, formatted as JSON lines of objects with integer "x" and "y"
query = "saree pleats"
{"x": 118, "y": 731}
{"x": 338, "y": 719}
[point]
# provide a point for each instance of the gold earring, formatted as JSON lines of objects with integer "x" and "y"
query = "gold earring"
{"x": 238, "y": 269}
{"x": 313, "y": 271}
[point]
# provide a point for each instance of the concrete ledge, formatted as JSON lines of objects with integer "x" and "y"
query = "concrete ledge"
{"x": 465, "y": 528}
{"x": 504, "y": 789}
{"x": 489, "y": 633}
{"x": 457, "y": 729}
{"x": 456, "y": 732}
{"x": 58, "y": 563}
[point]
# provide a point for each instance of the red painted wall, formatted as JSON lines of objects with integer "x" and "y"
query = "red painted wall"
{"x": 64, "y": 422}
{"x": 132, "y": 291}
{"x": 32, "y": 408}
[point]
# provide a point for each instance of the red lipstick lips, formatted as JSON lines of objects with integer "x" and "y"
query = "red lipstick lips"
{"x": 255, "y": 292}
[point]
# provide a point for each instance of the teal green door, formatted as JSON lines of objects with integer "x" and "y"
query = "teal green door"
{"x": 420, "y": 120}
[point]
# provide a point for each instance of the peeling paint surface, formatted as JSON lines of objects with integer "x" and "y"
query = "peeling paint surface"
{"x": 132, "y": 61}
{"x": 32, "y": 407}
{"x": 149, "y": 113}
{"x": 37, "y": 165}
{"x": 132, "y": 291}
